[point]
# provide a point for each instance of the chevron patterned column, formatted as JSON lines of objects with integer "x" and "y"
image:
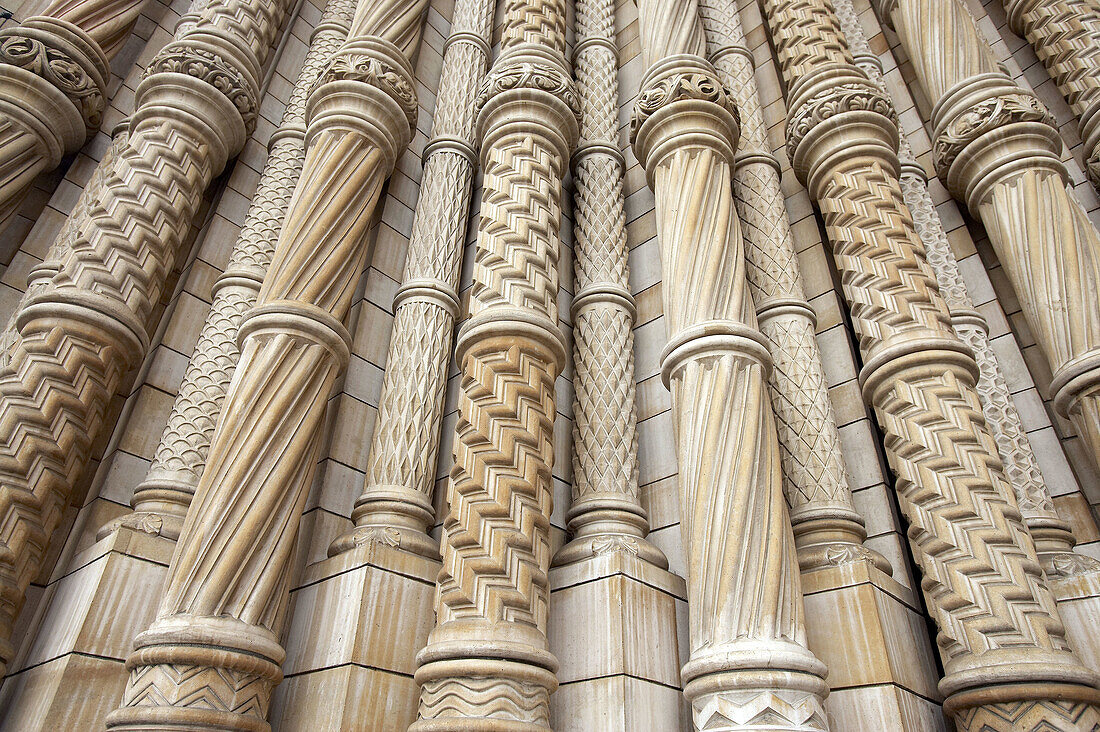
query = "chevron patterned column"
{"x": 195, "y": 108}
{"x": 998, "y": 151}
{"x": 749, "y": 665}
{"x": 1002, "y": 644}
{"x": 1053, "y": 539}
{"x": 1066, "y": 37}
{"x": 396, "y": 505}
{"x": 212, "y": 656}
{"x": 487, "y": 663}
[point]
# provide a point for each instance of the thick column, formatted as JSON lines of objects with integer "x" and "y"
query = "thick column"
{"x": 212, "y": 657}
{"x": 1066, "y": 37}
{"x": 1002, "y": 644}
{"x": 1053, "y": 540}
{"x": 396, "y": 505}
{"x": 88, "y": 325}
{"x": 998, "y": 151}
{"x": 486, "y": 665}
{"x": 749, "y": 665}
{"x": 609, "y": 555}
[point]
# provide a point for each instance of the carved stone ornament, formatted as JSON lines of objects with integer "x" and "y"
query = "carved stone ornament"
{"x": 831, "y": 102}
{"x": 978, "y": 119}
{"x": 676, "y": 87}
{"x": 379, "y": 72}
{"x": 182, "y": 57}
{"x": 524, "y": 74}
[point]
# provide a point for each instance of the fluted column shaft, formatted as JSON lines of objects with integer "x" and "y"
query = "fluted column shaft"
{"x": 88, "y": 324}
{"x": 396, "y": 505}
{"x": 749, "y": 666}
{"x": 827, "y": 528}
{"x": 488, "y": 658}
{"x": 1000, "y": 638}
{"x": 1066, "y": 37}
{"x": 217, "y": 627}
{"x": 998, "y": 151}
{"x": 606, "y": 514}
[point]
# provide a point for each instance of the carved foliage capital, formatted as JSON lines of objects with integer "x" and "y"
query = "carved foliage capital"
{"x": 975, "y": 120}
{"x": 212, "y": 68}
{"x": 532, "y": 74}
{"x": 833, "y": 102}
{"x": 664, "y": 89}
{"x": 369, "y": 63}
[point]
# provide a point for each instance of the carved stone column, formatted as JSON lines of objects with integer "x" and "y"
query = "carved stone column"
{"x": 486, "y": 664}
{"x": 218, "y": 626}
{"x": 749, "y": 666}
{"x": 1002, "y": 644}
{"x": 396, "y": 505}
{"x": 998, "y": 151}
{"x": 1066, "y": 37}
{"x": 194, "y": 109}
{"x": 1052, "y": 536}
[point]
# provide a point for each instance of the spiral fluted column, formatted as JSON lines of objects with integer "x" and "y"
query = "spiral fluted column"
{"x": 487, "y": 663}
{"x": 212, "y": 656}
{"x": 749, "y": 665}
{"x": 87, "y": 326}
{"x": 1002, "y": 644}
{"x": 395, "y": 507}
{"x": 998, "y": 150}
{"x": 606, "y": 514}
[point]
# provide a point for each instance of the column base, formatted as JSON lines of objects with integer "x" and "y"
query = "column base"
{"x": 610, "y": 682}
{"x": 74, "y": 672}
{"x": 358, "y": 620}
{"x": 870, "y": 632}
{"x": 1078, "y": 598}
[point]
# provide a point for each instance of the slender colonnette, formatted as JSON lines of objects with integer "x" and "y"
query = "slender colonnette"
{"x": 998, "y": 151}
{"x": 487, "y": 663}
{"x": 606, "y": 514}
{"x": 1000, "y": 638}
{"x": 212, "y": 656}
{"x": 395, "y": 507}
{"x": 1053, "y": 539}
{"x": 749, "y": 664}
{"x": 827, "y": 528}
{"x": 87, "y": 324}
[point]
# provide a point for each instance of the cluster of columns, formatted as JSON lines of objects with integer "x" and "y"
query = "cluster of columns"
{"x": 742, "y": 363}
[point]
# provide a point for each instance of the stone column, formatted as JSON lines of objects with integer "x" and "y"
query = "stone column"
{"x": 1002, "y": 644}
{"x": 1052, "y": 536}
{"x": 486, "y": 663}
{"x": 749, "y": 665}
{"x": 88, "y": 325}
{"x": 54, "y": 70}
{"x": 1066, "y": 37}
{"x": 212, "y": 656}
{"x": 998, "y": 151}
{"x": 396, "y": 505}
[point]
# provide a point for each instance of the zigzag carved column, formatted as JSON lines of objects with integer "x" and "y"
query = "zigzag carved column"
{"x": 827, "y": 529}
{"x": 212, "y": 656}
{"x": 1003, "y": 647}
{"x": 749, "y": 667}
{"x": 194, "y": 109}
{"x": 997, "y": 149}
{"x": 1066, "y": 37}
{"x": 1052, "y": 536}
{"x": 396, "y": 505}
{"x": 487, "y": 664}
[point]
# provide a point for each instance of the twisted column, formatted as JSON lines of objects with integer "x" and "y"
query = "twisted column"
{"x": 997, "y": 149}
{"x": 827, "y": 528}
{"x": 606, "y": 514}
{"x": 212, "y": 656}
{"x": 1066, "y": 37}
{"x": 487, "y": 662}
{"x": 395, "y": 507}
{"x": 1002, "y": 644}
{"x": 749, "y": 666}
{"x": 161, "y": 501}
{"x": 87, "y": 326}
